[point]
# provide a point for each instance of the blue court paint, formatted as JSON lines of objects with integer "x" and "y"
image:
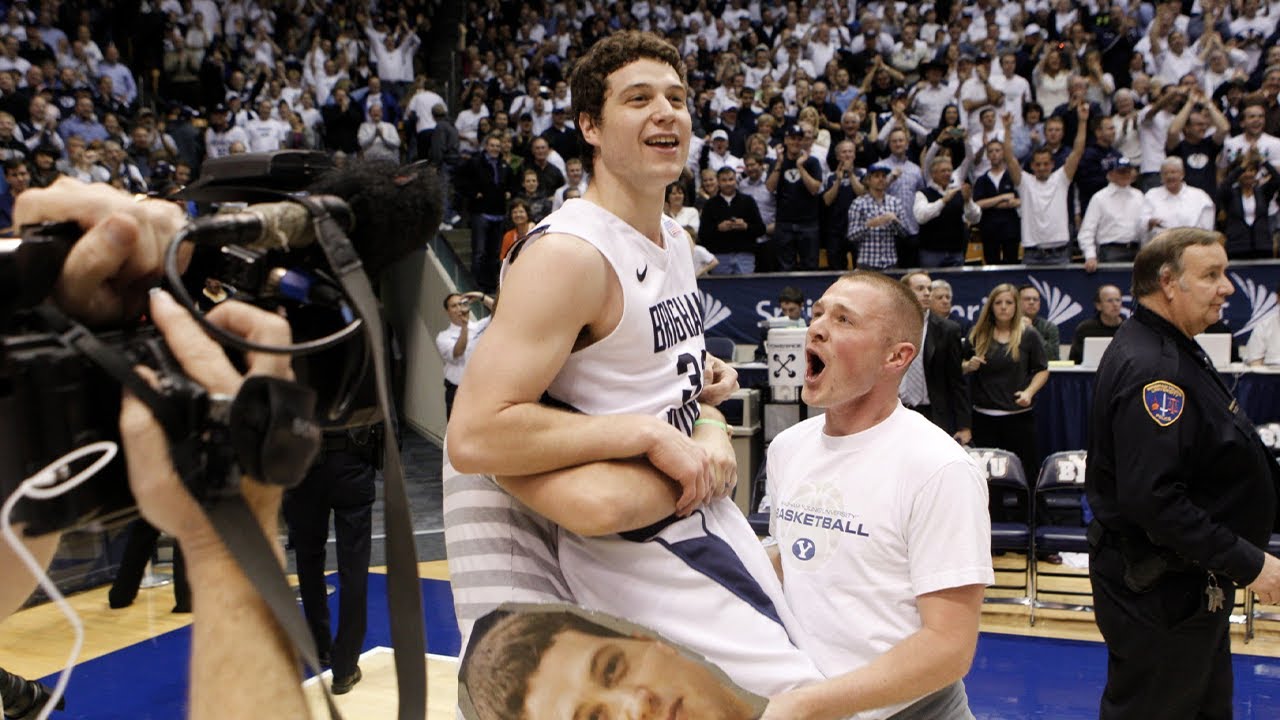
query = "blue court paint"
{"x": 1013, "y": 677}
{"x": 148, "y": 681}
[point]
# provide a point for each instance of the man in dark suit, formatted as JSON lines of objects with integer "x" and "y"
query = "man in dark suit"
{"x": 485, "y": 181}
{"x": 934, "y": 386}
{"x": 729, "y": 226}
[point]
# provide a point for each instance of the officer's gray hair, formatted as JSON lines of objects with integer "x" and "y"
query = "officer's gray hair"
{"x": 1164, "y": 254}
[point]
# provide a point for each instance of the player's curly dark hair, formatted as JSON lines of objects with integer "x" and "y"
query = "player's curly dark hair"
{"x": 589, "y": 81}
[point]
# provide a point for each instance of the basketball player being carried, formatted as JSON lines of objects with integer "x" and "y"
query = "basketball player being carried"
{"x": 584, "y": 459}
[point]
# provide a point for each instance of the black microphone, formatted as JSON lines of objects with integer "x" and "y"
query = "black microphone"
{"x": 387, "y": 210}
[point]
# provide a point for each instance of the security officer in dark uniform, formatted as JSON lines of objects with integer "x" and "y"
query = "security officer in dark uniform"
{"x": 341, "y": 482}
{"x": 1183, "y": 491}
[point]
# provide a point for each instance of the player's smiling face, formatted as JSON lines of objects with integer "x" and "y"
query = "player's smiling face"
{"x": 645, "y": 126}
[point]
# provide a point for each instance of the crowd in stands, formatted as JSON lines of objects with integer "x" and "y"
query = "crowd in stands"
{"x": 879, "y": 135}
{"x": 140, "y": 94}
{"x": 891, "y": 134}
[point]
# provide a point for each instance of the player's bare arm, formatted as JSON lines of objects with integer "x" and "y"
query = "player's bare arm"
{"x": 499, "y": 426}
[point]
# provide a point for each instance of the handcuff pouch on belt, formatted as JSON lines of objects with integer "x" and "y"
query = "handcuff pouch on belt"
{"x": 1144, "y": 561}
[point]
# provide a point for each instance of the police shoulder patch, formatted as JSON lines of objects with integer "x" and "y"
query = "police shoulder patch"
{"x": 1164, "y": 402}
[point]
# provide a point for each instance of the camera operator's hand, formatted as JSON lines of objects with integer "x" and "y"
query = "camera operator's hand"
{"x": 107, "y": 273}
{"x": 235, "y": 641}
{"x": 161, "y": 496}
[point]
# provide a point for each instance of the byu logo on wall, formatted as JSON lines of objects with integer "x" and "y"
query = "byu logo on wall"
{"x": 1262, "y": 302}
{"x": 714, "y": 312}
{"x": 1058, "y": 307}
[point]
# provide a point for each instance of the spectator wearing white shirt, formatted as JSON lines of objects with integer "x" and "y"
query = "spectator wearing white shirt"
{"x": 872, "y": 39}
{"x": 575, "y": 179}
{"x": 1043, "y": 195}
{"x": 457, "y": 342}
{"x": 219, "y": 136}
{"x": 1175, "y": 203}
{"x": 468, "y": 122}
{"x": 977, "y": 93}
{"x": 931, "y": 96}
{"x": 1177, "y": 60}
{"x": 1153, "y": 132}
{"x": 719, "y": 155}
{"x": 910, "y": 52}
{"x": 1015, "y": 90}
{"x": 1253, "y": 120}
{"x": 378, "y": 139}
{"x": 1127, "y": 126}
{"x": 394, "y": 55}
{"x": 1252, "y": 29}
{"x": 1112, "y": 230}
{"x": 981, "y": 134}
{"x": 760, "y": 69}
{"x": 265, "y": 133}
{"x": 420, "y": 107}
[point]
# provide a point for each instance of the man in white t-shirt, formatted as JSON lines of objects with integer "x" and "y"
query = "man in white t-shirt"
{"x": 879, "y": 516}
{"x": 456, "y": 342}
{"x": 1043, "y": 194}
{"x": 265, "y": 132}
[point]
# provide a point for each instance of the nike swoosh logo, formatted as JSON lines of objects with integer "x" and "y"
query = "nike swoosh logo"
{"x": 642, "y": 274}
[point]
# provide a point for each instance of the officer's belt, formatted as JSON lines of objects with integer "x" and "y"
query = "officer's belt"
{"x": 1131, "y": 545}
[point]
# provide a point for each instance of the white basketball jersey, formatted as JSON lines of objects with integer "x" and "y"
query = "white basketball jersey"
{"x": 651, "y": 364}
{"x": 702, "y": 581}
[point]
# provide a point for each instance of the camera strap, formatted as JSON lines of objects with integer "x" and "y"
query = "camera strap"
{"x": 404, "y": 591}
{"x": 235, "y": 524}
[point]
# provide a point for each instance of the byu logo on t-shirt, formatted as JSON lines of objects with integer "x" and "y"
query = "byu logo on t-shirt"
{"x": 803, "y": 549}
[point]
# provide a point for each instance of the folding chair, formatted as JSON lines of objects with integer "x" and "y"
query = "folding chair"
{"x": 1059, "y": 523}
{"x": 721, "y": 347}
{"x": 1007, "y": 481}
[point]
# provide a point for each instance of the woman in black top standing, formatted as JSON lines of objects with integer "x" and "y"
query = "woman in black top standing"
{"x": 1007, "y": 370}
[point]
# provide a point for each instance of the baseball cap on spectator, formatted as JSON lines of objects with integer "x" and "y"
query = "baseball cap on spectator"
{"x": 557, "y": 109}
{"x": 966, "y": 58}
{"x": 879, "y": 168}
{"x": 720, "y": 135}
{"x": 1116, "y": 163}
{"x": 928, "y": 65}
{"x": 794, "y": 130}
{"x": 526, "y": 117}
{"x": 219, "y": 108}
{"x": 763, "y": 47}
{"x": 793, "y": 40}
{"x": 729, "y": 107}
{"x": 1031, "y": 29}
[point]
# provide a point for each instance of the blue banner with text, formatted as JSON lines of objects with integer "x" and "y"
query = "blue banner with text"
{"x": 734, "y": 306}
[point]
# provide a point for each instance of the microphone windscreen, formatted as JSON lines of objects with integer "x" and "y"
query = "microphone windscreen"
{"x": 397, "y": 209}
